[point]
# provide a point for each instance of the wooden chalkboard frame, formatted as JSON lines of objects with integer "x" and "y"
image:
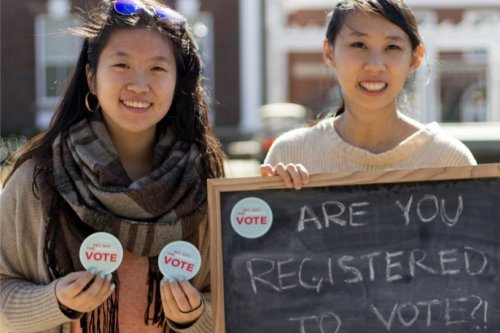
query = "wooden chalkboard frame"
{"x": 218, "y": 186}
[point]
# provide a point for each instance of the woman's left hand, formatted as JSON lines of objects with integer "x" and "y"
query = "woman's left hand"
{"x": 182, "y": 303}
{"x": 294, "y": 175}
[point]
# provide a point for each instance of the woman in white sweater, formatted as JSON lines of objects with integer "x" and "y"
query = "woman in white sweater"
{"x": 373, "y": 46}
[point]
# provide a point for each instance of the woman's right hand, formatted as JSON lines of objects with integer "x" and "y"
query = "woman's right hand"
{"x": 83, "y": 291}
{"x": 294, "y": 175}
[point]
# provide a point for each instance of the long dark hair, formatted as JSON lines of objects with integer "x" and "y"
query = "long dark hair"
{"x": 188, "y": 114}
{"x": 395, "y": 11}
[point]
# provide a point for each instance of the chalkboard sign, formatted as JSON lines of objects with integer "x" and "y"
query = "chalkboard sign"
{"x": 396, "y": 251}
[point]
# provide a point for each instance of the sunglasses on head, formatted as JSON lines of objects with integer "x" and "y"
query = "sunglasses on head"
{"x": 134, "y": 7}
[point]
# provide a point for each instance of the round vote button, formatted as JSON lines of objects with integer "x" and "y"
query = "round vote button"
{"x": 102, "y": 251}
{"x": 179, "y": 260}
{"x": 251, "y": 217}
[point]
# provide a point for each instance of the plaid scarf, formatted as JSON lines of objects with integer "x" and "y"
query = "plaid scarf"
{"x": 90, "y": 192}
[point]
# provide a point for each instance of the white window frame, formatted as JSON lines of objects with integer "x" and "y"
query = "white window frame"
{"x": 45, "y": 103}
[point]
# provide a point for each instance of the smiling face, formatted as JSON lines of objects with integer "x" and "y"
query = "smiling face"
{"x": 372, "y": 58}
{"x": 134, "y": 81}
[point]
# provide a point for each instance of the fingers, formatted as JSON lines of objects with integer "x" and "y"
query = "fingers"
{"x": 98, "y": 288}
{"x": 179, "y": 297}
{"x": 281, "y": 171}
{"x": 303, "y": 173}
{"x": 84, "y": 291}
{"x": 192, "y": 295}
{"x": 182, "y": 303}
{"x": 266, "y": 170}
{"x": 293, "y": 175}
{"x": 73, "y": 283}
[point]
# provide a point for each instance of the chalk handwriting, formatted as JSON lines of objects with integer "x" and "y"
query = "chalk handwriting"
{"x": 315, "y": 274}
{"x": 332, "y": 210}
{"x": 455, "y": 311}
{"x": 356, "y": 214}
{"x": 435, "y": 207}
{"x": 326, "y": 322}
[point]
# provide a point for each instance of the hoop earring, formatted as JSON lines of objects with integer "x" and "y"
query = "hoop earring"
{"x": 87, "y": 104}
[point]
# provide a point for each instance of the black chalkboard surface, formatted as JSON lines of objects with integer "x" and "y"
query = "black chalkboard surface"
{"x": 400, "y": 251}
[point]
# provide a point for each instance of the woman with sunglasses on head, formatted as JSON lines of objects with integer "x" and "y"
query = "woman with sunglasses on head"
{"x": 373, "y": 46}
{"x": 128, "y": 152}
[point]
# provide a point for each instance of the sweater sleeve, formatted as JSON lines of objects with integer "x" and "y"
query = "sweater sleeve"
{"x": 27, "y": 296}
{"x": 448, "y": 150}
{"x": 286, "y": 147}
{"x": 272, "y": 156}
{"x": 204, "y": 324}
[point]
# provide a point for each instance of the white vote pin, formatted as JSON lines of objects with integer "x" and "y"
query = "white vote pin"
{"x": 102, "y": 251}
{"x": 179, "y": 260}
{"x": 251, "y": 217}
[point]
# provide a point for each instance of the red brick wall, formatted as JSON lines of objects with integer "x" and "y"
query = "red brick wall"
{"x": 18, "y": 61}
{"x": 226, "y": 56}
{"x": 310, "y": 81}
{"x": 18, "y": 64}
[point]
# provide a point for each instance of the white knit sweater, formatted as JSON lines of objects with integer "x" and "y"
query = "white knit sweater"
{"x": 321, "y": 150}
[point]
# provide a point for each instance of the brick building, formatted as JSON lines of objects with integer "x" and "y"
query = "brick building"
{"x": 37, "y": 57}
{"x": 458, "y": 85}
{"x": 262, "y": 51}
{"x": 460, "y": 82}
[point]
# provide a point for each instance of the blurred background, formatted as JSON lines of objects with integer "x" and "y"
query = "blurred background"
{"x": 264, "y": 69}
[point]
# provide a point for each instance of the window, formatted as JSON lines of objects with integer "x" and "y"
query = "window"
{"x": 203, "y": 27}
{"x": 56, "y": 54}
{"x": 463, "y": 77}
{"x": 425, "y": 17}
